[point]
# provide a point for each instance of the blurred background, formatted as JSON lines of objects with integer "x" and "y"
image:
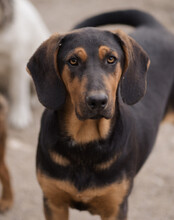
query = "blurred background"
{"x": 153, "y": 194}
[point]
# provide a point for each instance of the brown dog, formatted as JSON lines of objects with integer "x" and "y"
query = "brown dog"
{"x": 7, "y": 196}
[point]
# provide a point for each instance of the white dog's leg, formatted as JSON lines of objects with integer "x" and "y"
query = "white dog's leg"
{"x": 19, "y": 91}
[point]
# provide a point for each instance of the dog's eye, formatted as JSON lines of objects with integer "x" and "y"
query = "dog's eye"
{"x": 111, "y": 60}
{"x": 73, "y": 61}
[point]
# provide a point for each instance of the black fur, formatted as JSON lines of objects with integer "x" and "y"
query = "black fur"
{"x": 134, "y": 127}
{"x": 134, "y": 18}
{"x": 50, "y": 89}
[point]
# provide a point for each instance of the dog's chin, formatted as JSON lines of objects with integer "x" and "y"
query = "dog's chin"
{"x": 93, "y": 116}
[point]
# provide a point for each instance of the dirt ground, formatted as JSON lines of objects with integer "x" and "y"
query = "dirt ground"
{"x": 153, "y": 194}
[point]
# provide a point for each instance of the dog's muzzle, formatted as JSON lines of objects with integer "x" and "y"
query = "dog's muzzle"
{"x": 96, "y": 105}
{"x": 97, "y": 102}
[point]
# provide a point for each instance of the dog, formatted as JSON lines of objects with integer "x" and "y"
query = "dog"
{"x": 21, "y": 31}
{"x": 104, "y": 104}
{"x": 6, "y": 199}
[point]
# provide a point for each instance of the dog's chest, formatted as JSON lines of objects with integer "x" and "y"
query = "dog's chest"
{"x": 93, "y": 199}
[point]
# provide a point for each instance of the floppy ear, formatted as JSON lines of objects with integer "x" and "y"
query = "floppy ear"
{"x": 43, "y": 68}
{"x": 133, "y": 82}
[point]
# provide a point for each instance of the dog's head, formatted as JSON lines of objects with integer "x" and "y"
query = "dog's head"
{"x": 87, "y": 66}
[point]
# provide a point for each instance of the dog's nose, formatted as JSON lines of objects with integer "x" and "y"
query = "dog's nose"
{"x": 97, "y": 101}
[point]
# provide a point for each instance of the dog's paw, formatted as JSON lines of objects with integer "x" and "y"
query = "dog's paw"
{"x": 20, "y": 117}
{"x": 5, "y": 205}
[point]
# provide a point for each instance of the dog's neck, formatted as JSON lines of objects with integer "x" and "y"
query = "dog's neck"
{"x": 86, "y": 131}
{"x": 6, "y": 12}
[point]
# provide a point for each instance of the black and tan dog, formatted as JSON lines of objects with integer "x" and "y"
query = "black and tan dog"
{"x": 97, "y": 130}
{"x": 6, "y": 199}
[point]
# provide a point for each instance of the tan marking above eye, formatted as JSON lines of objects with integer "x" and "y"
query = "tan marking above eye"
{"x": 78, "y": 52}
{"x": 104, "y": 50}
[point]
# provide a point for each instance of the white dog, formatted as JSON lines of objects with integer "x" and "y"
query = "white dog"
{"x": 21, "y": 32}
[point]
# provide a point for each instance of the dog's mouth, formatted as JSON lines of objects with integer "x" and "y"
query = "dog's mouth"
{"x": 85, "y": 114}
{"x": 98, "y": 116}
{"x": 95, "y": 105}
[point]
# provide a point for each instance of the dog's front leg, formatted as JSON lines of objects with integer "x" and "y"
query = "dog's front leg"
{"x": 55, "y": 213}
{"x": 19, "y": 92}
{"x": 122, "y": 214}
{"x": 123, "y": 211}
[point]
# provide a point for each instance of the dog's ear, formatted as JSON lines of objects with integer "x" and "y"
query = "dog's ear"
{"x": 42, "y": 66}
{"x": 136, "y": 63}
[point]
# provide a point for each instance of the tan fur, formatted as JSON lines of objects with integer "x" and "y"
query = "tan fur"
{"x": 59, "y": 159}
{"x": 28, "y": 71}
{"x": 56, "y": 213}
{"x": 111, "y": 83}
{"x": 107, "y": 164}
{"x": 148, "y": 64}
{"x": 80, "y": 131}
{"x": 75, "y": 87}
{"x": 104, "y": 50}
{"x": 79, "y": 52}
{"x": 7, "y": 195}
{"x": 84, "y": 131}
{"x": 169, "y": 117}
{"x": 88, "y": 130}
{"x": 104, "y": 201}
